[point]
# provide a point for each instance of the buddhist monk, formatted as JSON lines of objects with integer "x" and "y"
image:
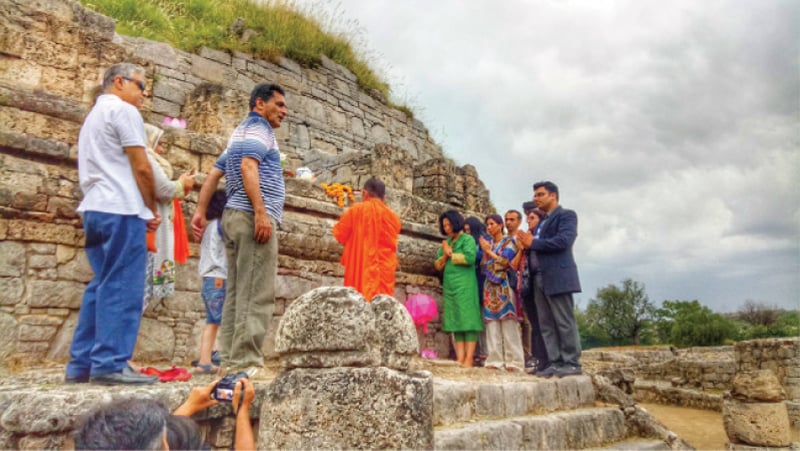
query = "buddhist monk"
{"x": 369, "y": 230}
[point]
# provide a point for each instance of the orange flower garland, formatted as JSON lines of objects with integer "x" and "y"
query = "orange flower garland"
{"x": 339, "y": 191}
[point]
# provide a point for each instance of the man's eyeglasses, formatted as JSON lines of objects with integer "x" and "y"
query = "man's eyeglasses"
{"x": 138, "y": 83}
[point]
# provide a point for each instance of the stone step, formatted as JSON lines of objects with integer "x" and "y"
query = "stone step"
{"x": 462, "y": 401}
{"x": 577, "y": 429}
{"x": 638, "y": 445}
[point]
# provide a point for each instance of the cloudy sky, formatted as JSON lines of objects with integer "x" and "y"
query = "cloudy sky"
{"x": 671, "y": 128}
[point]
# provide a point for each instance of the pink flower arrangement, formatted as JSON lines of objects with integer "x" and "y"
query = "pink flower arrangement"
{"x": 174, "y": 122}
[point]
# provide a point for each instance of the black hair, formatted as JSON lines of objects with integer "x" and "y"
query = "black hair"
{"x": 516, "y": 212}
{"x": 476, "y": 228}
{"x": 127, "y": 423}
{"x": 456, "y": 221}
{"x": 548, "y": 185}
{"x": 375, "y": 187}
{"x": 264, "y": 91}
{"x": 184, "y": 434}
{"x": 216, "y": 205}
{"x": 497, "y": 219}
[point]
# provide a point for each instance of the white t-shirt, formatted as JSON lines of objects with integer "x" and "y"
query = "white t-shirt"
{"x": 213, "y": 262}
{"x": 104, "y": 170}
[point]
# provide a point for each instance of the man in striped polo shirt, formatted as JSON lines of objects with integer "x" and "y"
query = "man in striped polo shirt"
{"x": 254, "y": 184}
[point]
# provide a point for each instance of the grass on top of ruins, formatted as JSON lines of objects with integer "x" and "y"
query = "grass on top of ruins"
{"x": 281, "y": 28}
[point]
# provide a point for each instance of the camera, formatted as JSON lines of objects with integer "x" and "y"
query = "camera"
{"x": 223, "y": 391}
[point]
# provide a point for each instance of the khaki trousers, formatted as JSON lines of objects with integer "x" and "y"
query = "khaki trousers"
{"x": 504, "y": 345}
{"x": 250, "y": 295}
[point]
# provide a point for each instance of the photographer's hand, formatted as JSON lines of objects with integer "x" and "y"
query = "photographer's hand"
{"x": 199, "y": 399}
{"x": 244, "y": 439}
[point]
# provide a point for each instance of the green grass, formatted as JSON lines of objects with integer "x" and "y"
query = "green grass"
{"x": 282, "y": 30}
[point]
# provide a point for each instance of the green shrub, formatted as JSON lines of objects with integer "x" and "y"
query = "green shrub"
{"x": 281, "y": 30}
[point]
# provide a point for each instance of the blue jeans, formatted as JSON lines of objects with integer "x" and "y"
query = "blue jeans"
{"x": 111, "y": 310}
{"x": 214, "y": 298}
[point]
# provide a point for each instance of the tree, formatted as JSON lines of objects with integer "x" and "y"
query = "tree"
{"x": 758, "y": 313}
{"x": 591, "y": 335}
{"x": 687, "y": 323}
{"x": 622, "y": 313}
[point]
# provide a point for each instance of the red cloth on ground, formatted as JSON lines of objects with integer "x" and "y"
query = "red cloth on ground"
{"x": 369, "y": 230}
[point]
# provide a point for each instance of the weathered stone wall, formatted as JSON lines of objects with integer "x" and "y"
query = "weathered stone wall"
{"x": 702, "y": 368}
{"x": 699, "y": 376}
{"x": 52, "y": 55}
{"x": 781, "y": 355}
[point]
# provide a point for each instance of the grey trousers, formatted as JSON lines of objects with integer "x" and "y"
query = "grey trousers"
{"x": 250, "y": 291}
{"x": 557, "y": 325}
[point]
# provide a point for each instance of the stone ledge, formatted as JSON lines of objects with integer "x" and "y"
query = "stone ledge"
{"x": 662, "y": 392}
{"x": 457, "y": 402}
{"x": 29, "y": 408}
{"x": 579, "y": 429}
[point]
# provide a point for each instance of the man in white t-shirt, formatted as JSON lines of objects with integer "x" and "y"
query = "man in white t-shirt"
{"x": 118, "y": 207}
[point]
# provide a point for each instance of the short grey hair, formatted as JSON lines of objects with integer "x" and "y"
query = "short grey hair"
{"x": 125, "y": 70}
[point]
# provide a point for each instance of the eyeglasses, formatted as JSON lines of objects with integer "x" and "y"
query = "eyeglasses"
{"x": 138, "y": 83}
{"x": 540, "y": 194}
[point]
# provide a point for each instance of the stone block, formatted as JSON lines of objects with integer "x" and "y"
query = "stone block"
{"x": 58, "y": 294}
{"x": 515, "y": 398}
{"x": 291, "y": 66}
{"x": 11, "y": 290}
{"x": 547, "y": 432}
{"x": 757, "y": 386}
{"x": 8, "y": 328}
{"x": 337, "y": 69}
{"x": 758, "y": 424}
{"x": 379, "y": 135}
{"x": 216, "y": 55}
{"x": 452, "y": 402}
{"x": 210, "y": 70}
{"x": 310, "y": 109}
{"x": 42, "y": 261}
{"x": 172, "y": 90}
{"x": 12, "y": 258}
{"x": 25, "y": 73}
{"x": 186, "y": 276}
{"x": 157, "y": 52}
{"x": 24, "y": 230}
{"x": 346, "y": 408}
{"x": 155, "y": 343}
{"x": 489, "y": 401}
{"x": 77, "y": 268}
{"x": 309, "y": 335}
{"x": 543, "y": 397}
{"x": 28, "y": 332}
{"x": 166, "y": 107}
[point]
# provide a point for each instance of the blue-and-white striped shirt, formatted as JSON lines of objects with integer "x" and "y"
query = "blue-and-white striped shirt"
{"x": 254, "y": 138}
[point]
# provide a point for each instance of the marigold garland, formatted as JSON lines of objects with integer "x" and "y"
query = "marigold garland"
{"x": 339, "y": 191}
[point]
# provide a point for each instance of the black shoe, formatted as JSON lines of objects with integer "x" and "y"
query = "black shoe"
{"x": 531, "y": 363}
{"x": 568, "y": 370}
{"x": 548, "y": 372}
{"x": 76, "y": 379}
{"x": 125, "y": 377}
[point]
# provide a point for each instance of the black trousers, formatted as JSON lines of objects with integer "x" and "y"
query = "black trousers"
{"x": 557, "y": 325}
{"x": 538, "y": 348}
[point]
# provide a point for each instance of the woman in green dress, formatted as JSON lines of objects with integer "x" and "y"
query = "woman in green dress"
{"x": 461, "y": 314}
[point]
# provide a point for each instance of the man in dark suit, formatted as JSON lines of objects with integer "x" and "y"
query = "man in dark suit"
{"x": 555, "y": 282}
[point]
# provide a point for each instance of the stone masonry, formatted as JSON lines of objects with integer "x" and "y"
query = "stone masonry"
{"x": 52, "y": 55}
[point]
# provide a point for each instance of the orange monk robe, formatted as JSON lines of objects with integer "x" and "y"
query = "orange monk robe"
{"x": 368, "y": 230}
